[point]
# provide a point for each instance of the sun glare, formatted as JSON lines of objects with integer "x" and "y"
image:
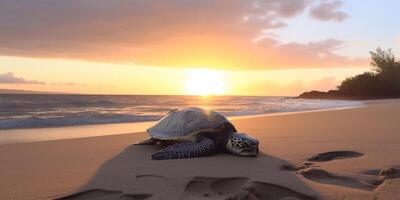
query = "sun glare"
{"x": 204, "y": 82}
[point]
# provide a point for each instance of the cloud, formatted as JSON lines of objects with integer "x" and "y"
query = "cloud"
{"x": 72, "y": 84}
{"x": 172, "y": 33}
{"x": 68, "y": 84}
{"x": 327, "y": 11}
{"x": 323, "y": 84}
{"x": 398, "y": 41}
{"x": 294, "y": 88}
{"x": 275, "y": 89}
{"x": 10, "y": 78}
{"x": 312, "y": 54}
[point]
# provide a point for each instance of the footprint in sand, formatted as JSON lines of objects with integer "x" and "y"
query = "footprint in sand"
{"x": 200, "y": 187}
{"x": 390, "y": 172}
{"x": 383, "y": 174}
{"x": 325, "y": 177}
{"x": 100, "y": 194}
{"x": 334, "y": 155}
{"x": 238, "y": 188}
{"x": 295, "y": 166}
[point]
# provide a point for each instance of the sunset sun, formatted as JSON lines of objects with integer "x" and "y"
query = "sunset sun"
{"x": 204, "y": 82}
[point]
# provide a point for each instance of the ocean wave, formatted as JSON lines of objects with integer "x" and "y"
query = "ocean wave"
{"x": 25, "y": 111}
{"x": 37, "y": 122}
{"x": 92, "y": 103}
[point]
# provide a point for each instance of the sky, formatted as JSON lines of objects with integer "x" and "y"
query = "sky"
{"x": 227, "y": 47}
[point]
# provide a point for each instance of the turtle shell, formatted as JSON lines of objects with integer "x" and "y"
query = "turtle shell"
{"x": 187, "y": 123}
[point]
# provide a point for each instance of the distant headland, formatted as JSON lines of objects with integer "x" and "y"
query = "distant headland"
{"x": 383, "y": 81}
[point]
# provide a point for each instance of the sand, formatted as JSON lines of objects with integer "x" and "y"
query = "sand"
{"x": 338, "y": 154}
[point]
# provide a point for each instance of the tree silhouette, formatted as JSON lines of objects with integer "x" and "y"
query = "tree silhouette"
{"x": 382, "y": 82}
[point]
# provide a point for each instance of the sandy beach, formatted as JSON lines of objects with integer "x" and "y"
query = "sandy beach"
{"x": 199, "y": 100}
{"x": 362, "y": 162}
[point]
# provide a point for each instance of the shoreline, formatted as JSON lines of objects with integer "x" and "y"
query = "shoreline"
{"x": 27, "y": 135}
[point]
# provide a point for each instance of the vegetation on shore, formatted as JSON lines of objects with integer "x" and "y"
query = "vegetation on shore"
{"x": 383, "y": 81}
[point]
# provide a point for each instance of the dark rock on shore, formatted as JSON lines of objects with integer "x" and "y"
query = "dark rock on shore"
{"x": 321, "y": 95}
{"x": 337, "y": 94}
{"x": 331, "y": 94}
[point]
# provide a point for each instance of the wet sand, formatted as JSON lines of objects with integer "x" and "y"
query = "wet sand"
{"x": 335, "y": 154}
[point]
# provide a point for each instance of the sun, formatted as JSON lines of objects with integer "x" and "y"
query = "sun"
{"x": 204, "y": 82}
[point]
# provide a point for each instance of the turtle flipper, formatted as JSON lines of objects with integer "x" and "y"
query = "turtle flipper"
{"x": 186, "y": 150}
{"x": 150, "y": 141}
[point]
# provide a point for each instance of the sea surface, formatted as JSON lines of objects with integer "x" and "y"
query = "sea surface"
{"x": 52, "y": 110}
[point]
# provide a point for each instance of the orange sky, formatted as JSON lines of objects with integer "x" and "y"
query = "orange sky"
{"x": 235, "y": 47}
{"x": 57, "y": 75}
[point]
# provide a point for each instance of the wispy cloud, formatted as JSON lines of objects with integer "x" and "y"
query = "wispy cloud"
{"x": 10, "y": 78}
{"x": 318, "y": 53}
{"x": 173, "y": 33}
{"x": 293, "y": 88}
{"x": 68, "y": 84}
{"x": 328, "y": 11}
{"x": 398, "y": 40}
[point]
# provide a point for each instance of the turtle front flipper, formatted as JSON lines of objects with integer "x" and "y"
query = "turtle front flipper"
{"x": 186, "y": 150}
{"x": 150, "y": 141}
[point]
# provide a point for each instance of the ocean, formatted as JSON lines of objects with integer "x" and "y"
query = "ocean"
{"x": 53, "y": 110}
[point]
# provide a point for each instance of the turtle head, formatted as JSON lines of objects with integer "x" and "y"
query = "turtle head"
{"x": 242, "y": 144}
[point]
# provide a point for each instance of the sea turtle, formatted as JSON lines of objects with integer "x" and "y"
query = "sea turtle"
{"x": 196, "y": 132}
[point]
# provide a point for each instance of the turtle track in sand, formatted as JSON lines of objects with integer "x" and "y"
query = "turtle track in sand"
{"x": 238, "y": 188}
{"x": 313, "y": 173}
{"x": 366, "y": 180}
{"x": 325, "y": 177}
{"x": 316, "y": 174}
{"x": 100, "y": 194}
{"x": 334, "y": 155}
{"x": 210, "y": 188}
